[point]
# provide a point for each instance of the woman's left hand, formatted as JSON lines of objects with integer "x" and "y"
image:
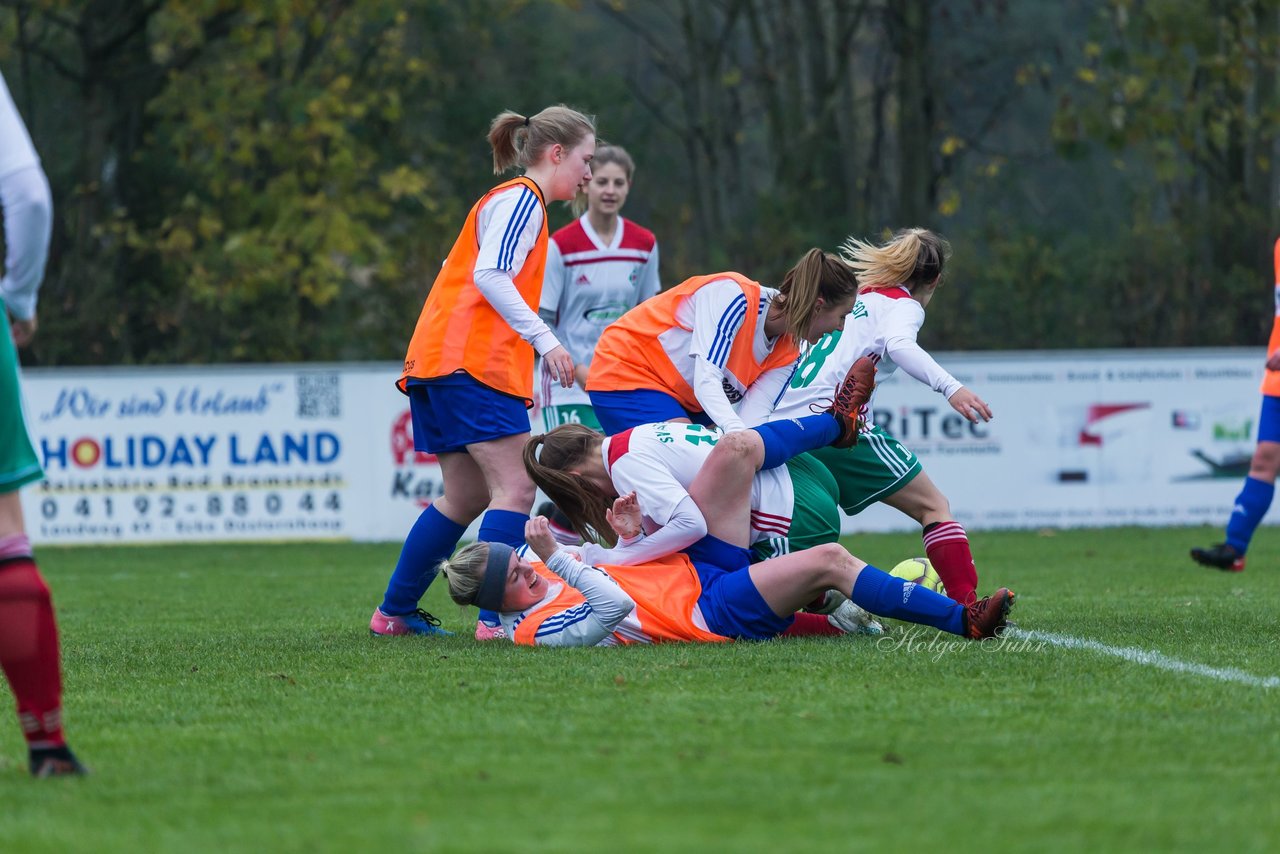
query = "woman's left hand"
{"x": 970, "y": 405}
{"x": 625, "y": 517}
{"x": 537, "y": 533}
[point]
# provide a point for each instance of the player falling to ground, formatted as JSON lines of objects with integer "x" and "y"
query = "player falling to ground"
{"x": 469, "y": 369}
{"x": 715, "y": 349}
{"x": 599, "y": 267}
{"x": 898, "y": 279}
{"x": 1259, "y": 488}
{"x": 565, "y": 602}
{"x": 28, "y": 632}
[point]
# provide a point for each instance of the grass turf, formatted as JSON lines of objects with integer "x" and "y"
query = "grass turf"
{"x": 230, "y": 698}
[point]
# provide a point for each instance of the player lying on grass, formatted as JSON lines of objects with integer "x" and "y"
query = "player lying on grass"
{"x": 561, "y": 601}
{"x": 583, "y": 472}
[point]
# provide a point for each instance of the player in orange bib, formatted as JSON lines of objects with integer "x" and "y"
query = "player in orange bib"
{"x": 562, "y": 601}
{"x": 469, "y": 368}
{"x": 716, "y": 349}
{"x": 1260, "y": 485}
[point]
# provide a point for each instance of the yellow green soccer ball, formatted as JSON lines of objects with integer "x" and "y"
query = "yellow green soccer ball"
{"x": 919, "y": 570}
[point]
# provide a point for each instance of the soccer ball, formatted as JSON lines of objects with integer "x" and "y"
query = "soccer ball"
{"x": 919, "y": 570}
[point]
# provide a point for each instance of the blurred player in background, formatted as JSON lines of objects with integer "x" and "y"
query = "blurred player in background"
{"x": 1259, "y": 488}
{"x": 599, "y": 267}
{"x": 28, "y": 631}
{"x": 897, "y": 279}
{"x": 469, "y": 368}
{"x": 716, "y": 349}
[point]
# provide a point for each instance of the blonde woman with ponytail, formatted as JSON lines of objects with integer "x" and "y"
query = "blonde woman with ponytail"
{"x": 716, "y": 349}
{"x": 897, "y": 280}
{"x": 468, "y": 372}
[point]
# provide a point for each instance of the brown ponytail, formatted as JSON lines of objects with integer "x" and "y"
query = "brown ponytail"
{"x": 817, "y": 274}
{"x": 520, "y": 141}
{"x": 563, "y": 448}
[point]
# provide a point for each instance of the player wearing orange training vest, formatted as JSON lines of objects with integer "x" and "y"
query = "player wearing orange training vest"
{"x": 565, "y": 602}
{"x": 469, "y": 368}
{"x": 1259, "y": 488}
{"x": 715, "y": 349}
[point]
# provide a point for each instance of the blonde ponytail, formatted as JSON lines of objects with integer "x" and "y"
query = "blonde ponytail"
{"x": 912, "y": 257}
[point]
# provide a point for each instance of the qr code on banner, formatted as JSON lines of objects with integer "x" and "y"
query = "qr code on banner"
{"x": 319, "y": 396}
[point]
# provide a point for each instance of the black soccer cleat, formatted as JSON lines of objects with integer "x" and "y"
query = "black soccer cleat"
{"x": 1220, "y": 556}
{"x": 55, "y": 762}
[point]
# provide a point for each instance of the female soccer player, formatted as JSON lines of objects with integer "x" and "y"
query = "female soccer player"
{"x": 1259, "y": 488}
{"x": 566, "y": 602}
{"x": 599, "y": 267}
{"x": 469, "y": 369}
{"x": 28, "y": 630}
{"x": 897, "y": 279}
{"x": 715, "y": 343}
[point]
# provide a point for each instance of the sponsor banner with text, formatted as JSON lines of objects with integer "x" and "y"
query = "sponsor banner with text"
{"x": 304, "y": 452}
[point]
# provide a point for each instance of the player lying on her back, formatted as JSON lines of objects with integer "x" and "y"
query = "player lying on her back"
{"x": 562, "y": 601}
{"x": 716, "y": 349}
{"x": 583, "y": 472}
{"x": 898, "y": 279}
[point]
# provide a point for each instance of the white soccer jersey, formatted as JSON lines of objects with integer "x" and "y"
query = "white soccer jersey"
{"x": 881, "y": 324}
{"x": 588, "y": 285}
{"x": 16, "y": 150}
{"x": 659, "y": 461}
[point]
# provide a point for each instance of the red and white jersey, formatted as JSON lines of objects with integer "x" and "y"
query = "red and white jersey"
{"x": 589, "y": 284}
{"x": 882, "y": 324}
{"x": 659, "y": 461}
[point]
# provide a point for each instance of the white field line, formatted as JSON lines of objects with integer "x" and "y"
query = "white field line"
{"x": 1149, "y": 658}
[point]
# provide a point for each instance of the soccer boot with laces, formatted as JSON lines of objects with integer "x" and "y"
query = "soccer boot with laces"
{"x": 987, "y": 618}
{"x": 850, "y": 398}
{"x": 418, "y": 622}
{"x": 1220, "y": 556}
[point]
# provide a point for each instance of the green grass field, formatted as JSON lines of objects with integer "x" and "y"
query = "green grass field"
{"x": 229, "y": 698}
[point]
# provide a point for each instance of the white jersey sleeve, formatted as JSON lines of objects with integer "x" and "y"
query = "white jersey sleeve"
{"x": 685, "y": 527}
{"x": 765, "y": 394}
{"x": 16, "y": 150}
{"x": 552, "y": 282}
{"x": 899, "y": 330}
{"x": 28, "y": 226}
{"x": 509, "y": 224}
{"x": 649, "y": 283}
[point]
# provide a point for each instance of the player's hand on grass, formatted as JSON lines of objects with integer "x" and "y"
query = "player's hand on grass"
{"x": 970, "y": 405}
{"x": 537, "y": 533}
{"x": 625, "y": 517}
{"x": 560, "y": 365}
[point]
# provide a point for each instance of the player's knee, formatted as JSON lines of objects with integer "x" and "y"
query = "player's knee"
{"x": 836, "y": 560}
{"x": 744, "y": 445}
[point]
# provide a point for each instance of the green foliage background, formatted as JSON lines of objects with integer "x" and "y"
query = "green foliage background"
{"x": 279, "y": 180}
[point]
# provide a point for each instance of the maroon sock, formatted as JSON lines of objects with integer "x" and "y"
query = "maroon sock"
{"x": 29, "y": 651}
{"x": 947, "y": 546}
{"x": 808, "y": 625}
